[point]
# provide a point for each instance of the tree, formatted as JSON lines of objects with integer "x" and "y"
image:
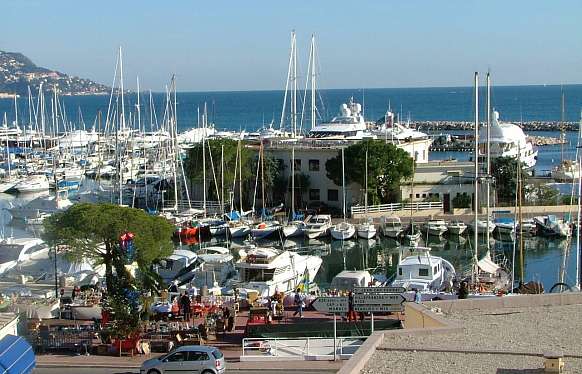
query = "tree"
{"x": 388, "y": 166}
{"x": 93, "y": 231}
{"x": 504, "y": 170}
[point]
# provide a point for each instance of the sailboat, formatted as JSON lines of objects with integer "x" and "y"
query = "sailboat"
{"x": 295, "y": 226}
{"x": 412, "y": 233}
{"x": 343, "y": 230}
{"x": 237, "y": 227}
{"x": 567, "y": 170}
{"x": 266, "y": 227}
{"x": 366, "y": 230}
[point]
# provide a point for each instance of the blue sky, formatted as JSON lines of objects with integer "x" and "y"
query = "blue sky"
{"x": 244, "y": 45}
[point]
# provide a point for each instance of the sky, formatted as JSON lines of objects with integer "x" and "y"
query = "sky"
{"x": 244, "y": 45}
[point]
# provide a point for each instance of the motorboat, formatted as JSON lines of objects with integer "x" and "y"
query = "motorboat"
{"x": 179, "y": 266}
{"x": 504, "y": 226}
{"x": 507, "y": 140}
{"x": 391, "y": 226}
{"x": 483, "y": 226}
{"x": 14, "y": 251}
{"x": 349, "y": 124}
{"x": 239, "y": 229}
{"x": 8, "y": 183}
{"x": 33, "y": 183}
{"x": 265, "y": 229}
{"x": 411, "y": 235}
{"x": 293, "y": 229}
{"x": 216, "y": 269}
{"x": 318, "y": 226}
{"x": 550, "y": 225}
{"x": 41, "y": 207}
{"x": 435, "y": 227}
{"x": 528, "y": 227}
{"x": 267, "y": 270}
{"x": 567, "y": 171}
{"x": 456, "y": 227}
{"x": 366, "y": 230}
{"x": 346, "y": 280}
{"x": 418, "y": 269}
{"x": 342, "y": 231}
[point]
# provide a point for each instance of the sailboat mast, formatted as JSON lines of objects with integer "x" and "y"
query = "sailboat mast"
{"x": 240, "y": 176}
{"x": 293, "y": 183}
{"x": 343, "y": 185}
{"x": 263, "y": 178}
{"x": 222, "y": 178}
{"x": 519, "y": 191}
{"x": 313, "y": 81}
{"x": 562, "y": 135}
{"x": 366, "y": 179}
{"x": 204, "y": 160}
{"x": 488, "y": 191}
{"x": 294, "y": 108}
{"x": 476, "y": 192}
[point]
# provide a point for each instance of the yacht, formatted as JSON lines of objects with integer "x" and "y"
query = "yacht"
{"x": 508, "y": 140}
{"x": 318, "y": 226}
{"x": 567, "y": 171}
{"x": 267, "y": 270}
{"x": 216, "y": 269}
{"x": 342, "y": 231}
{"x": 529, "y": 227}
{"x": 456, "y": 227}
{"x": 482, "y": 226}
{"x": 14, "y": 251}
{"x": 550, "y": 225}
{"x": 419, "y": 270}
{"x": 395, "y": 132}
{"x": 349, "y": 124}
{"x": 435, "y": 227}
{"x": 391, "y": 226}
{"x": 42, "y": 206}
{"x": 366, "y": 230}
{"x": 505, "y": 226}
{"x": 179, "y": 266}
{"x": 33, "y": 183}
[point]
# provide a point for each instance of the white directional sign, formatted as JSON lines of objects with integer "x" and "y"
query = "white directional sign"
{"x": 331, "y": 304}
{"x": 358, "y": 290}
{"x": 381, "y": 299}
{"x": 375, "y": 308}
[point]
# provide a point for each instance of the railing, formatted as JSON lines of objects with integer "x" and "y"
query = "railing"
{"x": 265, "y": 349}
{"x": 386, "y": 208}
{"x": 212, "y": 207}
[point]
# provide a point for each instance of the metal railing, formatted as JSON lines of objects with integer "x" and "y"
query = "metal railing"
{"x": 386, "y": 208}
{"x": 212, "y": 207}
{"x": 300, "y": 348}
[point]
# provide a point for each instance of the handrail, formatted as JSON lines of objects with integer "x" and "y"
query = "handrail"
{"x": 382, "y": 208}
{"x": 268, "y": 348}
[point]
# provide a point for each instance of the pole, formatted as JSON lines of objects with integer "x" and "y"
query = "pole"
{"x": 56, "y": 278}
{"x": 372, "y": 321}
{"x": 335, "y": 337}
{"x": 476, "y": 199}
{"x": 488, "y": 192}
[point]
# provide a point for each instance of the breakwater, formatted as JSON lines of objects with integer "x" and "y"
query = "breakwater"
{"x": 466, "y": 143}
{"x": 432, "y": 126}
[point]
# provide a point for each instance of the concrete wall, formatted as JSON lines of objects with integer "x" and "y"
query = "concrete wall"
{"x": 519, "y": 301}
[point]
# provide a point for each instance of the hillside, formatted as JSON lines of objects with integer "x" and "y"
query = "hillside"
{"x": 18, "y": 72}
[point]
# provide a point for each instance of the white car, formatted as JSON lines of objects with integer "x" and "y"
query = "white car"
{"x": 187, "y": 359}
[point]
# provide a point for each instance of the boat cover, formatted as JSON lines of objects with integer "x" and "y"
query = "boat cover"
{"x": 16, "y": 356}
{"x": 487, "y": 265}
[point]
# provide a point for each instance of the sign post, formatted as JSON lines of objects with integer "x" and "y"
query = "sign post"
{"x": 378, "y": 299}
{"x": 332, "y": 304}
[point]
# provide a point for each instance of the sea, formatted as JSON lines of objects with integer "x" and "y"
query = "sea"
{"x": 546, "y": 260}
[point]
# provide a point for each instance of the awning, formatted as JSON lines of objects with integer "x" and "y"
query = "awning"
{"x": 16, "y": 356}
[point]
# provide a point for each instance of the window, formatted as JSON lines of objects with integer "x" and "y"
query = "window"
{"x": 313, "y": 165}
{"x": 417, "y": 195}
{"x": 332, "y": 195}
{"x": 217, "y": 354}
{"x": 314, "y": 194}
{"x": 198, "y": 356}
{"x": 399, "y": 271}
{"x": 423, "y": 272}
{"x": 297, "y": 164}
{"x": 435, "y": 270}
{"x": 177, "y": 357}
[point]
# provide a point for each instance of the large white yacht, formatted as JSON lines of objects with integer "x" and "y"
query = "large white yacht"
{"x": 41, "y": 206}
{"x": 266, "y": 270}
{"x": 508, "y": 140}
{"x": 349, "y": 124}
{"x": 419, "y": 270}
{"x": 14, "y": 251}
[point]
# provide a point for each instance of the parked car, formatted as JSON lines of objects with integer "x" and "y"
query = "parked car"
{"x": 198, "y": 359}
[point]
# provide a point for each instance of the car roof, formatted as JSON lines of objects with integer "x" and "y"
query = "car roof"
{"x": 202, "y": 348}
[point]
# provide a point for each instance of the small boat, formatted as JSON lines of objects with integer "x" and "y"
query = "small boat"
{"x": 33, "y": 183}
{"x": 178, "y": 266}
{"x": 366, "y": 230}
{"x": 568, "y": 171}
{"x": 483, "y": 226}
{"x": 318, "y": 226}
{"x": 239, "y": 229}
{"x": 293, "y": 229}
{"x": 391, "y": 226}
{"x": 17, "y": 250}
{"x": 342, "y": 231}
{"x": 411, "y": 235}
{"x": 419, "y": 270}
{"x": 265, "y": 229}
{"x": 456, "y": 227}
{"x": 529, "y": 227}
{"x": 550, "y": 225}
{"x": 435, "y": 227}
{"x": 504, "y": 226}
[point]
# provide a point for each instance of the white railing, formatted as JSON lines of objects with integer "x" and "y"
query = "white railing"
{"x": 386, "y": 208}
{"x": 265, "y": 349}
{"x": 212, "y": 207}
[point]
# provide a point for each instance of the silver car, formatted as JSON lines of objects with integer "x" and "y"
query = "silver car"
{"x": 199, "y": 359}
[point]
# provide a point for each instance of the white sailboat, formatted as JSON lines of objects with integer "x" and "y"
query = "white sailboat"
{"x": 343, "y": 230}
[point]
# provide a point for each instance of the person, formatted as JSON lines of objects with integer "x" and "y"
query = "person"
{"x": 417, "y": 296}
{"x": 299, "y": 302}
{"x": 463, "y": 290}
{"x": 185, "y": 305}
{"x": 351, "y": 313}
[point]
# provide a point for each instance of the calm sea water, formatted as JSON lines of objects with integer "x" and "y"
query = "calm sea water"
{"x": 251, "y": 109}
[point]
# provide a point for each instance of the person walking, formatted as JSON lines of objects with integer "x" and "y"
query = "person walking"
{"x": 299, "y": 302}
{"x": 185, "y": 305}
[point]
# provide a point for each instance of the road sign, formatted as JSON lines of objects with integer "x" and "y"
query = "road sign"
{"x": 381, "y": 299}
{"x": 375, "y": 308}
{"x": 331, "y": 304}
{"x": 371, "y": 290}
